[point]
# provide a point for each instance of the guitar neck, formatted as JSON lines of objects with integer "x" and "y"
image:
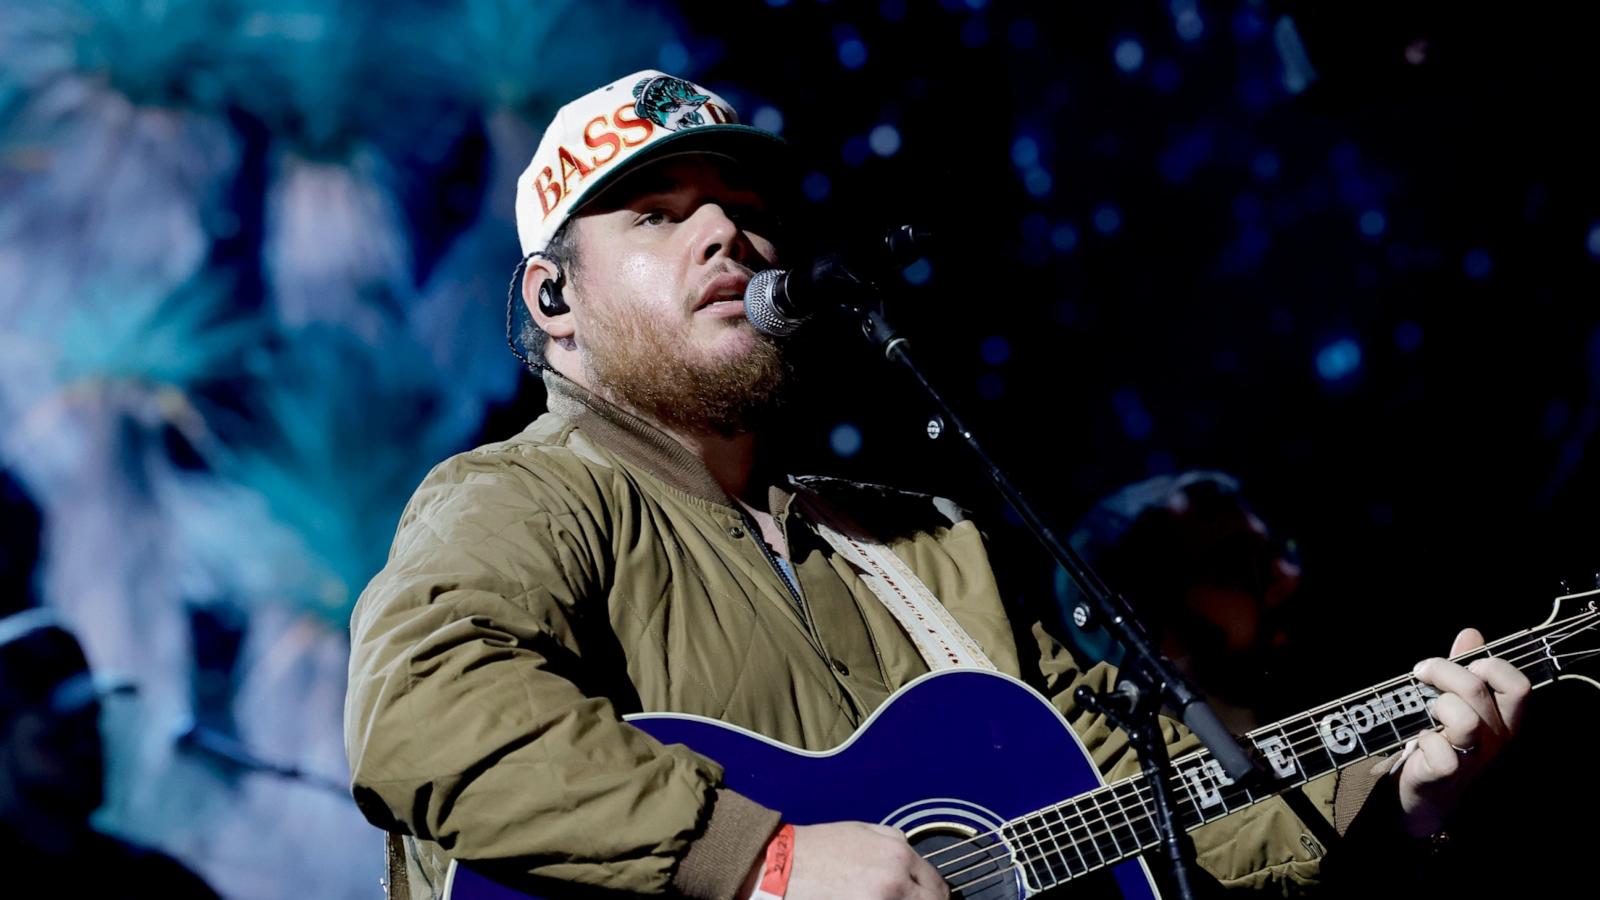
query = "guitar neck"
{"x": 1094, "y": 830}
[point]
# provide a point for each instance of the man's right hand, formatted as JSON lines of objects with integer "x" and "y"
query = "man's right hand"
{"x": 857, "y": 861}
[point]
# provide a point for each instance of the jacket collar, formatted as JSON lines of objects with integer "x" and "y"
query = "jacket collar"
{"x": 641, "y": 443}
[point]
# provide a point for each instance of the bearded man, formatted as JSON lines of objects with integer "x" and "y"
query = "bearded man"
{"x": 634, "y": 549}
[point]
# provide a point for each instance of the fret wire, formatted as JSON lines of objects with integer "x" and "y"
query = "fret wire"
{"x": 1072, "y": 838}
{"x": 1193, "y": 801}
{"x": 1050, "y": 831}
{"x": 1284, "y": 751}
{"x": 1213, "y": 770}
{"x": 1133, "y": 831}
{"x": 1198, "y": 762}
{"x": 1391, "y": 709}
{"x": 1146, "y": 804}
{"x": 1061, "y": 852}
{"x": 1029, "y": 863}
{"x": 1317, "y": 742}
{"x": 1110, "y": 829}
{"x": 1308, "y": 725}
{"x": 1048, "y": 875}
{"x": 1088, "y": 832}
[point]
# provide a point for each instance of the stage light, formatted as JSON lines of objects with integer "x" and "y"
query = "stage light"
{"x": 1025, "y": 152}
{"x": 1107, "y": 219}
{"x": 816, "y": 187}
{"x": 1064, "y": 237}
{"x": 1129, "y": 55}
{"x": 995, "y": 350}
{"x": 1477, "y": 264}
{"x": 918, "y": 272}
{"x": 852, "y": 53}
{"x": 845, "y": 440}
{"x": 1408, "y": 336}
{"x": 1265, "y": 165}
{"x": 1338, "y": 360}
{"x": 1038, "y": 182}
{"x": 1186, "y": 20}
{"x": 673, "y": 57}
{"x": 1373, "y": 223}
{"x": 767, "y": 118}
{"x": 1297, "y": 71}
{"x": 1136, "y": 422}
{"x": 884, "y": 140}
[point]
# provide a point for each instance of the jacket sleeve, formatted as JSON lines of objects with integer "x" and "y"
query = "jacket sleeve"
{"x": 465, "y": 721}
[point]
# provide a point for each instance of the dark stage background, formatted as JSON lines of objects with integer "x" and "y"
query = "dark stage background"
{"x": 254, "y": 260}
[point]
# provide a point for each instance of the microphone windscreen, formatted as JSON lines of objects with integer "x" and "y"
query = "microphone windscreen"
{"x": 761, "y": 304}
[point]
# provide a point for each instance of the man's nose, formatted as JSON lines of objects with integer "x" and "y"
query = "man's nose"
{"x": 715, "y": 232}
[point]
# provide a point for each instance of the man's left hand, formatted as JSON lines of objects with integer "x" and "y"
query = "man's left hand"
{"x": 1480, "y": 706}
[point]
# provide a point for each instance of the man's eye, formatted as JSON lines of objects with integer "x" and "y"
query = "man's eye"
{"x": 654, "y": 217}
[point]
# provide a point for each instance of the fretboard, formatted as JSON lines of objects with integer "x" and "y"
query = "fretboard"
{"x": 1077, "y": 836}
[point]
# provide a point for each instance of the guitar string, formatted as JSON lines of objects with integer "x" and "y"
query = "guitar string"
{"x": 1570, "y": 627}
{"x": 1139, "y": 792}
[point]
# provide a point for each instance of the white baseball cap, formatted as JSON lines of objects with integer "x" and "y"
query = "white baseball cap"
{"x": 607, "y": 132}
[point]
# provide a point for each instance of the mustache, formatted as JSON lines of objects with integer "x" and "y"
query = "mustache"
{"x": 731, "y": 268}
{"x": 693, "y": 295}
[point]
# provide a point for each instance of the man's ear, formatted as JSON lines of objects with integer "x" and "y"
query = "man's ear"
{"x": 557, "y": 321}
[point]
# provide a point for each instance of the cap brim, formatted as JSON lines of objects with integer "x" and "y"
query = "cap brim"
{"x": 770, "y": 157}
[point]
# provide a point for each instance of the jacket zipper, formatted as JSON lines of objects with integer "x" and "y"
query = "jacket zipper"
{"x": 815, "y": 637}
{"x": 794, "y": 591}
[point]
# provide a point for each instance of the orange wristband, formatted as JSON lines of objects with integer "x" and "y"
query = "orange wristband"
{"x": 779, "y": 863}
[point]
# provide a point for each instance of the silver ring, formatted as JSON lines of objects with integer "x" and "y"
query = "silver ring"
{"x": 1461, "y": 750}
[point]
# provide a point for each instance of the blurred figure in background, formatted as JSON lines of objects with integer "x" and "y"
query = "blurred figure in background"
{"x": 52, "y": 773}
{"x": 1201, "y": 567}
{"x": 19, "y": 545}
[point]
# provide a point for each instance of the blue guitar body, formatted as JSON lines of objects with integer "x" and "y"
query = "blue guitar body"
{"x": 951, "y": 755}
{"x": 991, "y": 786}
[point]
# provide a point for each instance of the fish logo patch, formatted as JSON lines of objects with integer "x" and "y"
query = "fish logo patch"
{"x": 672, "y": 103}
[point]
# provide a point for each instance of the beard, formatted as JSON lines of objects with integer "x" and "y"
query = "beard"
{"x": 644, "y": 368}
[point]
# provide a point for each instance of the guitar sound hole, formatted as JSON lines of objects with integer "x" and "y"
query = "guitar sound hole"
{"x": 977, "y": 867}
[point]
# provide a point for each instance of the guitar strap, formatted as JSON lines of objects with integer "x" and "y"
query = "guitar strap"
{"x": 1306, "y": 811}
{"x": 398, "y": 884}
{"x": 941, "y": 640}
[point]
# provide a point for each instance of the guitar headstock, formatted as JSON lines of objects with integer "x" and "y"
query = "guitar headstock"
{"x": 1570, "y": 638}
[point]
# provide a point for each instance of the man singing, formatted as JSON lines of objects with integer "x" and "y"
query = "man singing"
{"x": 637, "y": 549}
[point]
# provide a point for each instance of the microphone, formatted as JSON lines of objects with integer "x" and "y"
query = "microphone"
{"x": 906, "y": 243}
{"x": 778, "y": 301}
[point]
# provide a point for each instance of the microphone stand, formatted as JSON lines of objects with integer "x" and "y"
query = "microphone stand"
{"x": 1147, "y": 678}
